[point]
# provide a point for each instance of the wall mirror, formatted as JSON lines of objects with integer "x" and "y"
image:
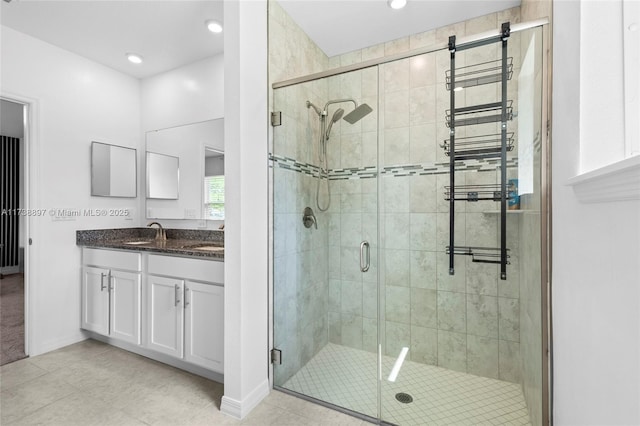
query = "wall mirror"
{"x": 113, "y": 171}
{"x": 163, "y": 176}
{"x": 191, "y": 144}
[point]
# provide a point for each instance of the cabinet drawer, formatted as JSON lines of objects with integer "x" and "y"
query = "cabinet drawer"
{"x": 112, "y": 259}
{"x": 192, "y": 269}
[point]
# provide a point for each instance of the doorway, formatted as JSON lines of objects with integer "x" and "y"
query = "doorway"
{"x": 14, "y": 236}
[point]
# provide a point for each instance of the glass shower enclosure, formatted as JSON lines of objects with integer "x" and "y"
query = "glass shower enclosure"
{"x": 368, "y": 315}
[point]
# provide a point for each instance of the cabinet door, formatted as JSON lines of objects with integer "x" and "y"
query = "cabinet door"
{"x": 204, "y": 325}
{"x": 165, "y": 315}
{"x": 125, "y": 306}
{"x": 95, "y": 299}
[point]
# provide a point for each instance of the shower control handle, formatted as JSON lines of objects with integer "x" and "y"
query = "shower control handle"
{"x": 365, "y": 260}
{"x": 308, "y": 218}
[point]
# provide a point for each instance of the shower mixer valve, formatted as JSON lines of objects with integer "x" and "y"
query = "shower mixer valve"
{"x": 308, "y": 218}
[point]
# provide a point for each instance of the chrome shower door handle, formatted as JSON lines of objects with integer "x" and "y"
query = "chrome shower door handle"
{"x": 365, "y": 261}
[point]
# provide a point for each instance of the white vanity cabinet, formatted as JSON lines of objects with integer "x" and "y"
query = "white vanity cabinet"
{"x": 185, "y": 309}
{"x": 111, "y": 285}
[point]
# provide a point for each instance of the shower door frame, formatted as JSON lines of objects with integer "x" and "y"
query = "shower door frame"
{"x": 545, "y": 208}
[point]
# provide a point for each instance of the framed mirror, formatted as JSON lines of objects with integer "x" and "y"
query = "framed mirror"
{"x": 163, "y": 176}
{"x": 113, "y": 171}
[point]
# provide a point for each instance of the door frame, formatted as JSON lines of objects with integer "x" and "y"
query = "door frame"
{"x": 30, "y": 167}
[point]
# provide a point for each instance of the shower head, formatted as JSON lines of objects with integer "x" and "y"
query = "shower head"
{"x": 357, "y": 114}
{"x": 317, "y": 110}
{"x": 336, "y": 116}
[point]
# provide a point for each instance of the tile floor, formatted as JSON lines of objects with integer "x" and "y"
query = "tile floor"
{"x": 347, "y": 377}
{"x": 90, "y": 383}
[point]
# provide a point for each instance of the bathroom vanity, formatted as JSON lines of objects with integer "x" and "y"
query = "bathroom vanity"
{"x": 163, "y": 299}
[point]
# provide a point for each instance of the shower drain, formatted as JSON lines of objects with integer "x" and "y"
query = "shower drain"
{"x": 405, "y": 398}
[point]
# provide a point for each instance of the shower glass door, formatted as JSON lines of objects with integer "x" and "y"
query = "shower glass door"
{"x": 325, "y": 240}
{"x": 366, "y": 313}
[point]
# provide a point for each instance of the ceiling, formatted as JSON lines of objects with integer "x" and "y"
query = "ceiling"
{"x": 343, "y": 26}
{"x": 168, "y": 34}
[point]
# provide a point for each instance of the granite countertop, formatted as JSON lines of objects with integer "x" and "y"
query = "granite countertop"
{"x": 183, "y": 242}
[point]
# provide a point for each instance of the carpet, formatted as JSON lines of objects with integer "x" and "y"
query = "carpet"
{"x": 11, "y": 318}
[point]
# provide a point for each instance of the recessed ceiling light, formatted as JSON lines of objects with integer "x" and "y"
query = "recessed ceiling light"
{"x": 214, "y": 26}
{"x": 134, "y": 58}
{"x": 397, "y": 4}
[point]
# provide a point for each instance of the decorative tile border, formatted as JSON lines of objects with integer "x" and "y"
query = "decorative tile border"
{"x": 293, "y": 165}
{"x": 482, "y": 165}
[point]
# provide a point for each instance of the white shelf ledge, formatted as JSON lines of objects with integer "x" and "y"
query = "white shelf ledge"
{"x": 619, "y": 181}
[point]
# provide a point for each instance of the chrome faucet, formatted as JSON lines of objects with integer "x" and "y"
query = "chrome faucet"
{"x": 161, "y": 234}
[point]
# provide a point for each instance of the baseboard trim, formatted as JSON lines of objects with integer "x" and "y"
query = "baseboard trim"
{"x": 39, "y": 348}
{"x": 239, "y": 409}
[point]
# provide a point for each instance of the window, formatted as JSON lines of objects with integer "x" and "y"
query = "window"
{"x": 214, "y": 197}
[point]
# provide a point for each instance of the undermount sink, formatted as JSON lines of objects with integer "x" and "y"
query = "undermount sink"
{"x": 206, "y": 247}
{"x": 136, "y": 243}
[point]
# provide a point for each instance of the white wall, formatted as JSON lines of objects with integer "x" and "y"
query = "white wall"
{"x": 596, "y": 247}
{"x": 78, "y": 101}
{"x": 602, "y": 80}
{"x": 246, "y": 226}
{"x": 185, "y": 95}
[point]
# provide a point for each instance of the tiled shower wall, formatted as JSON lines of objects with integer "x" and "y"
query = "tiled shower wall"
{"x": 299, "y": 254}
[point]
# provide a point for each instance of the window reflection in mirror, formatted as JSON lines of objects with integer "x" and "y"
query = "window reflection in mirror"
{"x": 113, "y": 171}
{"x": 213, "y": 184}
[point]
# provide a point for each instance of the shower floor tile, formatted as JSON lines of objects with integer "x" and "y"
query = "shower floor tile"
{"x": 346, "y": 377}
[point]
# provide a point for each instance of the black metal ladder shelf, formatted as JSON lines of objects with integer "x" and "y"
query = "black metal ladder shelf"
{"x": 476, "y": 147}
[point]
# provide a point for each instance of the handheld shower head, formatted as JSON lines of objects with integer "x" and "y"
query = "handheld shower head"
{"x": 336, "y": 116}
